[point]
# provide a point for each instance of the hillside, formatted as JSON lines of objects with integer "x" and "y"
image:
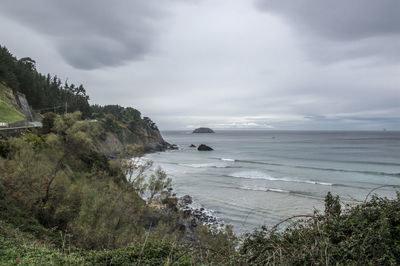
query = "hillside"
{"x": 63, "y": 201}
{"x": 126, "y": 126}
{"x": 46, "y": 93}
{"x": 17, "y": 247}
{"x": 9, "y": 112}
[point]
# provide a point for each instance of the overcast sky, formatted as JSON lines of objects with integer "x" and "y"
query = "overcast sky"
{"x": 282, "y": 64}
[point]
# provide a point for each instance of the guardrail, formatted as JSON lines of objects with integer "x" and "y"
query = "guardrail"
{"x": 14, "y": 128}
{"x": 16, "y": 131}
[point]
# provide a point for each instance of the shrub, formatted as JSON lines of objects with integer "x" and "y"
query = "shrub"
{"x": 368, "y": 233}
{"x": 4, "y": 147}
{"x": 48, "y": 122}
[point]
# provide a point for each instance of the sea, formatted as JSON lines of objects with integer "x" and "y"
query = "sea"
{"x": 255, "y": 177}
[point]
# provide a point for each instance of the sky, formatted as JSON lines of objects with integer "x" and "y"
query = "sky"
{"x": 225, "y": 64}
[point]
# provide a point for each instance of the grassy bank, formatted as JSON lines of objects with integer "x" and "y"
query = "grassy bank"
{"x": 8, "y": 112}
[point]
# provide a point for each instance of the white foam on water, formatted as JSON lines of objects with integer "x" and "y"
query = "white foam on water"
{"x": 277, "y": 190}
{"x": 227, "y": 160}
{"x": 265, "y": 189}
{"x": 261, "y": 175}
{"x": 204, "y": 165}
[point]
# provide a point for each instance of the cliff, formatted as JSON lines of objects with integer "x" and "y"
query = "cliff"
{"x": 114, "y": 142}
{"x": 125, "y": 125}
{"x": 24, "y": 106}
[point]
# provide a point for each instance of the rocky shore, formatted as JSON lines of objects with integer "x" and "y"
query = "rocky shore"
{"x": 199, "y": 216}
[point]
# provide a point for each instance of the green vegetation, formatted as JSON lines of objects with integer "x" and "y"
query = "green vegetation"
{"x": 366, "y": 234}
{"x": 18, "y": 247}
{"x": 128, "y": 127}
{"x": 8, "y": 112}
{"x": 44, "y": 92}
{"x": 56, "y": 188}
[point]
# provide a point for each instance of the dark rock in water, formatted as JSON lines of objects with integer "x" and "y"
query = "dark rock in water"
{"x": 185, "y": 200}
{"x": 204, "y": 147}
{"x": 192, "y": 146}
{"x": 172, "y": 147}
{"x": 203, "y": 130}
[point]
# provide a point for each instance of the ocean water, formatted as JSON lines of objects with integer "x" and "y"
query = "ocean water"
{"x": 255, "y": 178}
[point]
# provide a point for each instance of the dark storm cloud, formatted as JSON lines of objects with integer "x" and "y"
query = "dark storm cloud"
{"x": 91, "y": 34}
{"x": 344, "y": 29}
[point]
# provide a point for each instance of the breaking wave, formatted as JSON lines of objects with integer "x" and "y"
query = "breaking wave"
{"x": 278, "y": 190}
{"x": 204, "y": 165}
{"x": 323, "y": 169}
{"x": 227, "y": 159}
{"x": 260, "y": 175}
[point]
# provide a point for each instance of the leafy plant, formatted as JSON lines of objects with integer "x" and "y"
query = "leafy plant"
{"x": 368, "y": 233}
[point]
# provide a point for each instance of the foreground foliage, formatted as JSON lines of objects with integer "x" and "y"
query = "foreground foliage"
{"x": 368, "y": 233}
{"x": 17, "y": 247}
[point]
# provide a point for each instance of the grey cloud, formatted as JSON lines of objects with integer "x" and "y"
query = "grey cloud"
{"x": 340, "y": 19}
{"x": 343, "y": 29}
{"x": 377, "y": 120}
{"x": 377, "y": 50}
{"x": 92, "y": 34}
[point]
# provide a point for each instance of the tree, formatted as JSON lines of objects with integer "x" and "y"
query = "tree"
{"x": 48, "y": 122}
{"x": 29, "y": 62}
{"x": 159, "y": 187}
{"x": 43, "y": 92}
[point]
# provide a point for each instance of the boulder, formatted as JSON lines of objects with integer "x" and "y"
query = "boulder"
{"x": 192, "y": 146}
{"x": 204, "y": 147}
{"x": 203, "y": 130}
{"x": 173, "y": 147}
{"x": 185, "y": 200}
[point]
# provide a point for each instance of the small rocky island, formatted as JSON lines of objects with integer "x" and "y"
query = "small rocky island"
{"x": 203, "y": 130}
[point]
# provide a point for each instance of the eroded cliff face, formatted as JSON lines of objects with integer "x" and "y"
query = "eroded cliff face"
{"x": 24, "y": 106}
{"x": 114, "y": 144}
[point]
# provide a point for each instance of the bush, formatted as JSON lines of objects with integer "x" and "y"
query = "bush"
{"x": 48, "y": 122}
{"x": 4, "y": 147}
{"x": 368, "y": 233}
{"x": 149, "y": 251}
